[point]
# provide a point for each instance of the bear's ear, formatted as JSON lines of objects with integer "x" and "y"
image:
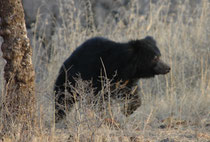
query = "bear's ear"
{"x": 150, "y": 39}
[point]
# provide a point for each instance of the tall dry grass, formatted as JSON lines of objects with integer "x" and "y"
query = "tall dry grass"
{"x": 175, "y": 106}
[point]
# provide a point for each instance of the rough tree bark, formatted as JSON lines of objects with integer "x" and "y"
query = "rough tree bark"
{"x": 19, "y": 97}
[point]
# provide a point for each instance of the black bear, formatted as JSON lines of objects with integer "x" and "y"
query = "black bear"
{"x": 122, "y": 62}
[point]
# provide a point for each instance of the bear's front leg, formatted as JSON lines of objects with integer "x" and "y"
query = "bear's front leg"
{"x": 132, "y": 102}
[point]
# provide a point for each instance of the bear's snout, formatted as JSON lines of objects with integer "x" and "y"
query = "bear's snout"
{"x": 161, "y": 68}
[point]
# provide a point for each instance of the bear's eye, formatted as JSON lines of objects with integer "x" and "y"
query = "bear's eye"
{"x": 155, "y": 59}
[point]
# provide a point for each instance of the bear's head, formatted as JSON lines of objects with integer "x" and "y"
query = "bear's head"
{"x": 146, "y": 56}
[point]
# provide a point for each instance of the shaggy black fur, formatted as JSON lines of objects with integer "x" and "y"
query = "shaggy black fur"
{"x": 122, "y": 62}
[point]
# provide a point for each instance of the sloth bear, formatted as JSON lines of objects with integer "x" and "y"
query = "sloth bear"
{"x": 124, "y": 63}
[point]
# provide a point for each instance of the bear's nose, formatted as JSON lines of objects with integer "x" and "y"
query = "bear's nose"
{"x": 168, "y": 69}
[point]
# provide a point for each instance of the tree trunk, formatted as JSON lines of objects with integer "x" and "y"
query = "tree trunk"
{"x": 19, "y": 97}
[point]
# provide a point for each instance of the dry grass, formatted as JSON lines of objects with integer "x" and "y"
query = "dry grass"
{"x": 175, "y": 106}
